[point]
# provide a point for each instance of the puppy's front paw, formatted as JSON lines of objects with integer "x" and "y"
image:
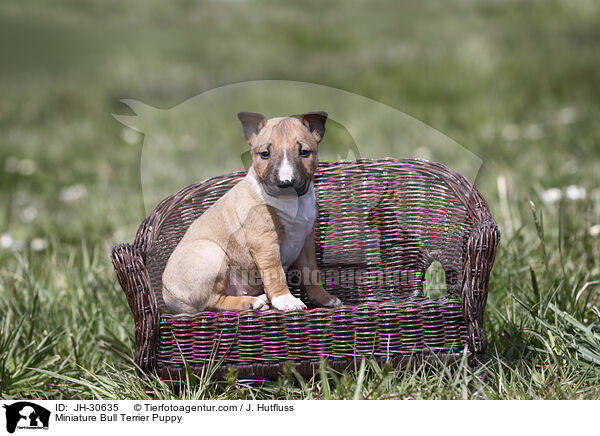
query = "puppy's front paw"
{"x": 287, "y": 302}
{"x": 261, "y": 302}
{"x": 334, "y": 302}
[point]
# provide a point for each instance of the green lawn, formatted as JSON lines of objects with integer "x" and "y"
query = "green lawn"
{"x": 514, "y": 82}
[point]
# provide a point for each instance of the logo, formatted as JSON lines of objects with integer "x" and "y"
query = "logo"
{"x": 26, "y": 415}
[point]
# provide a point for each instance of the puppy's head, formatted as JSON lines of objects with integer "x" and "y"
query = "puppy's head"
{"x": 284, "y": 150}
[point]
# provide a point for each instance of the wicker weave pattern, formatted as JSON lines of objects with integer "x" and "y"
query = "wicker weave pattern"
{"x": 381, "y": 223}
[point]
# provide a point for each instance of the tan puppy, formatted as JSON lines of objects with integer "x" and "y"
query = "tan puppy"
{"x": 244, "y": 243}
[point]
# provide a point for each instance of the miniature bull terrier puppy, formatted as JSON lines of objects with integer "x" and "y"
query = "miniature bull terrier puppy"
{"x": 259, "y": 229}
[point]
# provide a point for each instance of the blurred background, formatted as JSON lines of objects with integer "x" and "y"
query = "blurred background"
{"x": 516, "y": 83}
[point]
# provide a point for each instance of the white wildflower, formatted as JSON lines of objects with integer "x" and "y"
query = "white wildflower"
{"x": 39, "y": 244}
{"x": 575, "y": 192}
{"x": 6, "y": 241}
{"x": 594, "y": 230}
{"x": 566, "y": 115}
{"x": 29, "y": 214}
{"x": 551, "y": 195}
{"x": 510, "y": 132}
{"x": 27, "y": 167}
{"x": 534, "y": 132}
{"x": 72, "y": 193}
{"x": 11, "y": 164}
{"x": 130, "y": 136}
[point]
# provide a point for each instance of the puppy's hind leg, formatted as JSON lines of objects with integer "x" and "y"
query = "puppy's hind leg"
{"x": 194, "y": 275}
{"x": 175, "y": 305}
{"x": 223, "y": 302}
{"x": 231, "y": 294}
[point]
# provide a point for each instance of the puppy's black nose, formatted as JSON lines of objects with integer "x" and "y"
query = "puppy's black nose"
{"x": 285, "y": 183}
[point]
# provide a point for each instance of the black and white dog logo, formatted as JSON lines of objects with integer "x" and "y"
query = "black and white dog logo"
{"x": 26, "y": 415}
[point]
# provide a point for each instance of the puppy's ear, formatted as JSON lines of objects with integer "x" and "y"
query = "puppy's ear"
{"x": 315, "y": 122}
{"x": 252, "y": 123}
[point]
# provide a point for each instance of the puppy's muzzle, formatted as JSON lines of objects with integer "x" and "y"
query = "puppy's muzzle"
{"x": 295, "y": 188}
{"x": 282, "y": 184}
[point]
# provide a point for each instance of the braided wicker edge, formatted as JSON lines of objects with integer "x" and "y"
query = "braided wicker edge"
{"x": 271, "y": 371}
{"x": 133, "y": 278}
{"x": 477, "y": 266}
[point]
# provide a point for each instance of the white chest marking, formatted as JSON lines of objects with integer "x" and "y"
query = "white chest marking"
{"x": 296, "y": 229}
{"x": 297, "y": 216}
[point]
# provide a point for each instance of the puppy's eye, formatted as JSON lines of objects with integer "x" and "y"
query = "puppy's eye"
{"x": 265, "y": 154}
{"x": 303, "y": 152}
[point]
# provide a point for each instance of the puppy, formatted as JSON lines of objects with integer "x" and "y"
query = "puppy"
{"x": 235, "y": 255}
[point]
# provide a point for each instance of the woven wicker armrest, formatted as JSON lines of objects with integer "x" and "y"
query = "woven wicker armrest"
{"x": 133, "y": 278}
{"x": 482, "y": 236}
{"x": 479, "y": 259}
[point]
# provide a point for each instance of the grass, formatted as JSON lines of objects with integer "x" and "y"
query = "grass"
{"x": 515, "y": 82}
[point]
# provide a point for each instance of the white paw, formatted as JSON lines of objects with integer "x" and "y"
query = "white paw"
{"x": 263, "y": 297}
{"x": 287, "y": 302}
{"x": 261, "y": 302}
{"x": 334, "y": 302}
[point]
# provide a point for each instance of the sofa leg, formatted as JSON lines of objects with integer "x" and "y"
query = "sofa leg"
{"x": 478, "y": 362}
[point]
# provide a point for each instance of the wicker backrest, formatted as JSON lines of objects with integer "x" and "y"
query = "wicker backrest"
{"x": 381, "y": 223}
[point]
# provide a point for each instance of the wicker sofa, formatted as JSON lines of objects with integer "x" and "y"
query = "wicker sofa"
{"x": 381, "y": 224}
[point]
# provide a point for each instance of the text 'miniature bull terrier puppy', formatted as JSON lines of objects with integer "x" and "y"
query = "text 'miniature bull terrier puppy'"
{"x": 235, "y": 255}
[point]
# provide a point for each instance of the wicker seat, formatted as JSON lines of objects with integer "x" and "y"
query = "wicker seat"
{"x": 381, "y": 224}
